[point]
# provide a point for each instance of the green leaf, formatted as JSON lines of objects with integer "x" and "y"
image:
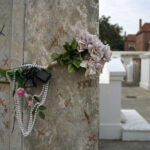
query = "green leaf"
{"x": 26, "y": 105}
{"x": 71, "y": 68}
{"x": 10, "y": 74}
{"x": 33, "y": 111}
{"x": 41, "y": 115}
{"x": 3, "y": 72}
{"x": 70, "y": 56}
{"x": 29, "y": 98}
{"x": 61, "y": 62}
{"x": 65, "y": 57}
{"x": 81, "y": 58}
{"x": 66, "y": 46}
{"x": 14, "y": 90}
{"x": 74, "y": 44}
{"x": 19, "y": 73}
{"x": 42, "y": 107}
{"x": 76, "y": 63}
{"x": 19, "y": 78}
{"x": 64, "y": 50}
{"x": 55, "y": 56}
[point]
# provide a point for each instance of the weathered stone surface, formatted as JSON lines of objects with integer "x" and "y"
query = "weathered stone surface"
{"x": 4, "y": 116}
{"x": 6, "y": 123}
{"x": 36, "y": 29}
{"x": 17, "y": 40}
{"x": 50, "y": 23}
{"x": 16, "y": 57}
{"x": 11, "y": 55}
{"x": 5, "y": 34}
{"x": 72, "y": 114}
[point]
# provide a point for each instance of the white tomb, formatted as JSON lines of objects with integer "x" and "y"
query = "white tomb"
{"x": 136, "y": 128}
{"x": 145, "y": 71}
{"x": 110, "y": 100}
{"x": 116, "y": 123}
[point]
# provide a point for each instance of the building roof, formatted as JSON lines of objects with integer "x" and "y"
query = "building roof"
{"x": 131, "y": 37}
{"x": 144, "y": 28}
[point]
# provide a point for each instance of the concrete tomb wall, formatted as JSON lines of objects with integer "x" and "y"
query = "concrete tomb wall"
{"x": 34, "y": 30}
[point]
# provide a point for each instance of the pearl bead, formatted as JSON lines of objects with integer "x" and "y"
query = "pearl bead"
{"x": 32, "y": 118}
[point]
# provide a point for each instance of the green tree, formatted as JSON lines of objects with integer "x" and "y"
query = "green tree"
{"x": 111, "y": 33}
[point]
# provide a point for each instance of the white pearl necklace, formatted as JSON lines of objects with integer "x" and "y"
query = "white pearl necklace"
{"x": 17, "y": 100}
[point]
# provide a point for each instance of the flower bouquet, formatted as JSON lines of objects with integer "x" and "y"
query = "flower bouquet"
{"x": 85, "y": 51}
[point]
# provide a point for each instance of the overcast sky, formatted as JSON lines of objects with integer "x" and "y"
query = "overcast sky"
{"x": 126, "y": 12}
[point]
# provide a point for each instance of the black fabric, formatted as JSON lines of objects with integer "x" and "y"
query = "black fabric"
{"x": 31, "y": 73}
{"x": 43, "y": 75}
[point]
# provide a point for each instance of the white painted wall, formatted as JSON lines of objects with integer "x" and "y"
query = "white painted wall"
{"x": 145, "y": 71}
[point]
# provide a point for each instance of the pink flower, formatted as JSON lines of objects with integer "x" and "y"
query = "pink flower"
{"x": 83, "y": 38}
{"x": 27, "y": 95}
{"x": 99, "y": 53}
{"x": 20, "y": 91}
{"x": 82, "y": 46}
{"x": 30, "y": 103}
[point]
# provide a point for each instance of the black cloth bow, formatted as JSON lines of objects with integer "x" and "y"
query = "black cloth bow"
{"x": 29, "y": 75}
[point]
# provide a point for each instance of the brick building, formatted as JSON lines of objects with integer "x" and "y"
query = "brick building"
{"x": 130, "y": 42}
{"x": 139, "y": 41}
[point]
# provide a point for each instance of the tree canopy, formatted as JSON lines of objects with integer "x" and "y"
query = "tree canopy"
{"x": 111, "y": 33}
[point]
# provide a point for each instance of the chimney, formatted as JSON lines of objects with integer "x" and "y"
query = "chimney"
{"x": 140, "y": 24}
{"x": 125, "y": 34}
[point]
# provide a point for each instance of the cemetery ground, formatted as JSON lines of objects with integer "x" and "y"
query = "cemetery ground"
{"x": 132, "y": 98}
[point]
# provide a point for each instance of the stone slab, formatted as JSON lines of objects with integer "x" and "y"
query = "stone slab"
{"x": 136, "y": 127}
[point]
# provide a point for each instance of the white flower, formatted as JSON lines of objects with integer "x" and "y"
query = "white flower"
{"x": 99, "y": 53}
{"x": 84, "y": 64}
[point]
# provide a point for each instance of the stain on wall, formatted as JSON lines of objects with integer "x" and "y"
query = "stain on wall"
{"x": 4, "y": 116}
{"x": 5, "y": 32}
{"x": 36, "y": 30}
{"x": 72, "y": 114}
{"x": 5, "y": 39}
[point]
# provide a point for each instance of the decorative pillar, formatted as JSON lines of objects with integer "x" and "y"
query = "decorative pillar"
{"x": 145, "y": 71}
{"x": 128, "y": 62}
{"x": 110, "y": 101}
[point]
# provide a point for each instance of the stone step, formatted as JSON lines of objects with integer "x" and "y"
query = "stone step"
{"x": 135, "y": 128}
